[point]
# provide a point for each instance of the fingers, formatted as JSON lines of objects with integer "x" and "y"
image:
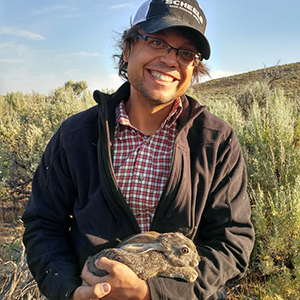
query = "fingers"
{"x": 89, "y": 278}
{"x": 105, "y": 264}
{"x": 124, "y": 283}
{"x": 102, "y": 289}
{"x": 115, "y": 269}
{"x": 97, "y": 291}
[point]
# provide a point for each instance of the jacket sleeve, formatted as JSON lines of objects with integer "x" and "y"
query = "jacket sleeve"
{"x": 225, "y": 236}
{"x": 47, "y": 219}
{"x": 226, "y": 231}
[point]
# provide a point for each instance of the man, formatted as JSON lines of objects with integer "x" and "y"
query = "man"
{"x": 147, "y": 158}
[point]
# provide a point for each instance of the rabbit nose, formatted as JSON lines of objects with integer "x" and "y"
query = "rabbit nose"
{"x": 195, "y": 261}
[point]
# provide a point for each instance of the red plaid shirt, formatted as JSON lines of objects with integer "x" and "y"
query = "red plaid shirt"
{"x": 142, "y": 163}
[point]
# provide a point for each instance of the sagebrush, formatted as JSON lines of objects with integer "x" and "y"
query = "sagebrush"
{"x": 267, "y": 123}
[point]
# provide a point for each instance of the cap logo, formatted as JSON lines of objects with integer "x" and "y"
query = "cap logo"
{"x": 186, "y": 7}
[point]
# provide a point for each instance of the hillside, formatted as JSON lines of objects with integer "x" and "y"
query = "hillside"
{"x": 285, "y": 76}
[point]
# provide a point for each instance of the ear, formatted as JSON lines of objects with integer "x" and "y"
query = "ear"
{"x": 126, "y": 53}
{"x": 141, "y": 238}
{"x": 143, "y": 248}
{"x": 142, "y": 243}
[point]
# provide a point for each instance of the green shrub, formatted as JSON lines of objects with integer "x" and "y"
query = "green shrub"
{"x": 26, "y": 126}
{"x": 267, "y": 125}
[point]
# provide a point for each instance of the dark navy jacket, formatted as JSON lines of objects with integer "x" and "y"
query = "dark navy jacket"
{"x": 76, "y": 207}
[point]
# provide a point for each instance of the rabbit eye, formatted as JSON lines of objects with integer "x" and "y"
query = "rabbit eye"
{"x": 185, "y": 250}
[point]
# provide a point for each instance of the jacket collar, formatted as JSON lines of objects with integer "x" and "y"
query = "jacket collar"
{"x": 191, "y": 107}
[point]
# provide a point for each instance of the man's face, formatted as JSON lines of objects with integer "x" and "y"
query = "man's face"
{"x": 158, "y": 78}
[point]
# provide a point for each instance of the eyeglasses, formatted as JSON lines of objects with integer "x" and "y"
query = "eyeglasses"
{"x": 159, "y": 47}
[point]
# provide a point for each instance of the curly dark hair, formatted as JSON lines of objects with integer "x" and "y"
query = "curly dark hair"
{"x": 130, "y": 37}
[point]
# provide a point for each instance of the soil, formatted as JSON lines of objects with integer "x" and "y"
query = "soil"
{"x": 10, "y": 232}
{"x": 10, "y": 241}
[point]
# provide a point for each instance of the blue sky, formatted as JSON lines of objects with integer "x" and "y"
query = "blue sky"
{"x": 43, "y": 44}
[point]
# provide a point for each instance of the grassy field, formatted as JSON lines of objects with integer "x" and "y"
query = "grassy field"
{"x": 263, "y": 107}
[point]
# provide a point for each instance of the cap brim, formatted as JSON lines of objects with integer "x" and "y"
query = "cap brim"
{"x": 157, "y": 24}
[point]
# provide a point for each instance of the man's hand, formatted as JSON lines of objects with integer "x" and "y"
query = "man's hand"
{"x": 86, "y": 292}
{"x": 120, "y": 283}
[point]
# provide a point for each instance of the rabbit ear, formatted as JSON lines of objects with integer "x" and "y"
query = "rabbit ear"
{"x": 141, "y": 248}
{"x": 141, "y": 238}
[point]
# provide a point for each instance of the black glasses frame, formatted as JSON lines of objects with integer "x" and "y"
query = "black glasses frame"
{"x": 197, "y": 56}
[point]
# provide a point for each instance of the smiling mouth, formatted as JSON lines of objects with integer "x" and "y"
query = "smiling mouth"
{"x": 161, "y": 77}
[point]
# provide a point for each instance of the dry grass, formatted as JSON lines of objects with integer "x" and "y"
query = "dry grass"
{"x": 18, "y": 284}
{"x": 16, "y": 281}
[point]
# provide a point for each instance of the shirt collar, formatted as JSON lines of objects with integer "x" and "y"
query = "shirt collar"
{"x": 123, "y": 119}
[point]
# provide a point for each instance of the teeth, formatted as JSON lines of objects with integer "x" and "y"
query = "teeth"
{"x": 161, "y": 77}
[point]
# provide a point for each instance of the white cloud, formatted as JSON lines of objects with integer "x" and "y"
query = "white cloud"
{"x": 120, "y": 6}
{"x": 70, "y": 56}
{"x": 10, "y": 60}
{"x": 6, "y": 45}
{"x": 22, "y": 33}
{"x": 13, "y": 53}
{"x": 49, "y": 9}
{"x": 86, "y": 54}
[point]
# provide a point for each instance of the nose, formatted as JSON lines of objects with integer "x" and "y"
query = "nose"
{"x": 171, "y": 57}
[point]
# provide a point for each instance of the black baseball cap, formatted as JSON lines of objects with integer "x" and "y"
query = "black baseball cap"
{"x": 156, "y": 15}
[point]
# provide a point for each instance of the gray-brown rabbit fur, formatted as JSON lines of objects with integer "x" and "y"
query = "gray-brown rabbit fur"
{"x": 151, "y": 254}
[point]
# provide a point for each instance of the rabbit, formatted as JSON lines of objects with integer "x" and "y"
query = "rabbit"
{"x": 151, "y": 254}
